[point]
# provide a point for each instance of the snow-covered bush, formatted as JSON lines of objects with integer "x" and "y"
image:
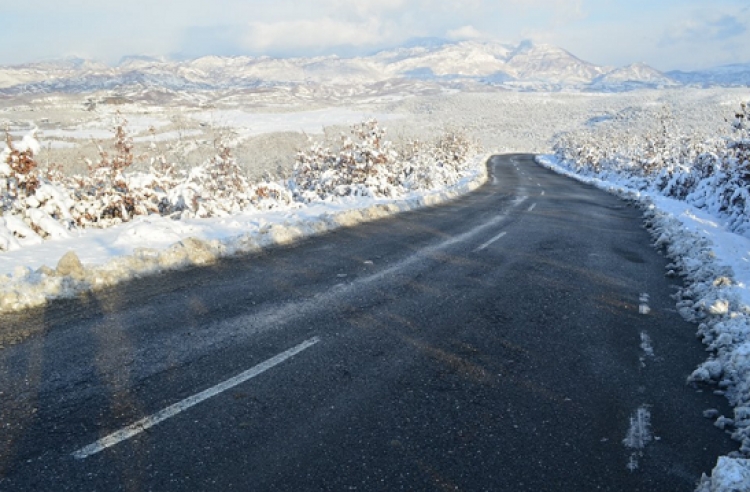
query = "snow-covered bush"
{"x": 220, "y": 188}
{"x": 441, "y": 163}
{"x": 103, "y": 198}
{"x": 37, "y": 205}
{"x": 31, "y": 208}
{"x": 709, "y": 172}
{"x": 367, "y": 164}
{"x": 18, "y": 171}
{"x": 362, "y": 166}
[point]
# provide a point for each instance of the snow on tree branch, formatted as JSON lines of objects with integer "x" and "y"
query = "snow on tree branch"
{"x": 38, "y": 205}
{"x": 708, "y": 172}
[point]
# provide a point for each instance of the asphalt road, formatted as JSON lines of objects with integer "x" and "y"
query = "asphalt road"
{"x": 510, "y": 340}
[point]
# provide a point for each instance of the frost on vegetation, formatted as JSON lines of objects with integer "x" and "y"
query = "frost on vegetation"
{"x": 50, "y": 205}
{"x": 708, "y": 171}
{"x": 30, "y": 208}
{"x": 367, "y": 164}
{"x": 37, "y": 206}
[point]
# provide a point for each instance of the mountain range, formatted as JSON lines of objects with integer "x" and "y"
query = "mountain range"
{"x": 526, "y": 66}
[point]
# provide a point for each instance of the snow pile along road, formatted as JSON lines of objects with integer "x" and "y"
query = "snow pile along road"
{"x": 707, "y": 247}
{"x": 61, "y": 237}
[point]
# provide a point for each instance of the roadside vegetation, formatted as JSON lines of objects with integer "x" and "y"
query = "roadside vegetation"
{"x": 41, "y": 202}
{"x": 707, "y": 170}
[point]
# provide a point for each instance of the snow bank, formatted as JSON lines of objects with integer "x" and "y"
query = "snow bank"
{"x": 715, "y": 265}
{"x": 729, "y": 475}
{"x": 152, "y": 244}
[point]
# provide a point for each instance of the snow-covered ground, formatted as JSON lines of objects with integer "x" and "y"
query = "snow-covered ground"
{"x": 715, "y": 265}
{"x": 247, "y": 124}
{"x": 271, "y": 129}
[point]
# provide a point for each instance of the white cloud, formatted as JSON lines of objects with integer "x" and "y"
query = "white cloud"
{"x": 362, "y": 8}
{"x": 710, "y": 25}
{"x": 666, "y": 34}
{"x": 314, "y": 34}
{"x": 465, "y": 32}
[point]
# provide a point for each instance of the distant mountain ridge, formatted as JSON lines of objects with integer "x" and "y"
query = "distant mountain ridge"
{"x": 737, "y": 75}
{"x": 526, "y": 66}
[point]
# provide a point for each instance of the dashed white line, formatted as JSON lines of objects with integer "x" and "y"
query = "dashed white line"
{"x": 639, "y": 435}
{"x": 430, "y": 250}
{"x": 488, "y": 243}
{"x": 644, "y": 308}
{"x": 172, "y": 410}
{"x": 647, "y": 347}
{"x": 532, "y": 207}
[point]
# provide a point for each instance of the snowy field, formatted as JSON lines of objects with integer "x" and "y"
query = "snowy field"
{"x": 227, "y": 174}
{"x": 266, "y": 129}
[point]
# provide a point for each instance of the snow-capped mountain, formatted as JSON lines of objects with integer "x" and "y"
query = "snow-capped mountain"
{"x": 466, "y": 59}
{"x": 546, "y": 63}
{"x": 525, "y": 66}
{"x": 635, "y": 76}
{"x": 30, "y": 73}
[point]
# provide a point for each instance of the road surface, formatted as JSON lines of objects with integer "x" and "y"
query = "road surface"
{"x": 520, "y": 338}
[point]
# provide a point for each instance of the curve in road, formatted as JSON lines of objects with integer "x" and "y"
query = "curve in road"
{"x": 522, "y": 337}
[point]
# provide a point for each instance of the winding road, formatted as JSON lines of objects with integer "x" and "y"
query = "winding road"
{"x": 521, "y": 338}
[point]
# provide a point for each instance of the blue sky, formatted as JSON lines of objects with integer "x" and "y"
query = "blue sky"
{"x": 667, "y": 34}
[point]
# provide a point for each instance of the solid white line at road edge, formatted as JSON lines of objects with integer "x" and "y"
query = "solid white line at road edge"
{"x": 494, "y": 239}
{"x": 172, "y": 410}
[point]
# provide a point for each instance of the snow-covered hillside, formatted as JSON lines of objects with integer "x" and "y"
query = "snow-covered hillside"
{"x": 635, "y": 76}
{"x": 737, "y": 75}
{"x": 551, "y": 65}
{"x": 525, "y": 66}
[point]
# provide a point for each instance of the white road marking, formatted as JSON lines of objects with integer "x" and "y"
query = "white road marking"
{"x": 639, "y": 435}
{"x": 172, "y": 410}
{"x": 644, "y": 308}
{"x": 532, "y": 207}
{"x": 542, "y": 192}
{"x": 647, "y": 347}
{"x": 430, "y": 250}
{"x": 488, "y": 243}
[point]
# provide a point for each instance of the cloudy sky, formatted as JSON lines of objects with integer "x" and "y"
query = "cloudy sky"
{"x": 667, "y": 34}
